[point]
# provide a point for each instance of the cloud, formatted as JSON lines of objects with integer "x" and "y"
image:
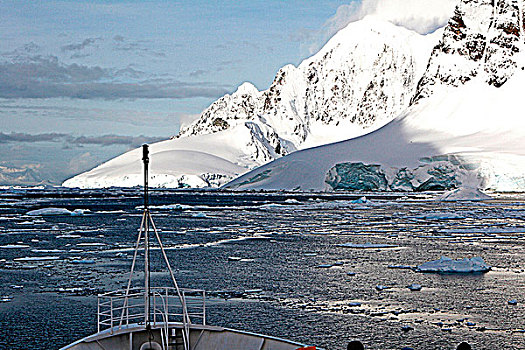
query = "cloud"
{"x": 110, "y": 140}
{"x": 23, "y": 137}
{"x": 104, "y": 140}
{"x": 21, "y": 72}
{"x": 80, "y": 46}
{"x": 187, "y": 119}
{"x": 47, "y": 77}
{"x": 422, "y": 16}
{"x": 197, "y": 73}
{"x": 139, "y": 47}
{"x": 27, "y": 49}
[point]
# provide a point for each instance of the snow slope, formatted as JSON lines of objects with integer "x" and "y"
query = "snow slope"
{"x": 363, "y": 77}
{"x": 465, "y": 125}
{"x": 210, "y": 160}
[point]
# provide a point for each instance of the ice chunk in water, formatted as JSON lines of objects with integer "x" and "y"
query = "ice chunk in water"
{"x": 447, "y": 265}
{"x": 57, "y": 211}
{"x": 464, "y": 194}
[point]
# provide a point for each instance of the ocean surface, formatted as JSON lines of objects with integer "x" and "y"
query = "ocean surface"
{"x": 288, "y": 251}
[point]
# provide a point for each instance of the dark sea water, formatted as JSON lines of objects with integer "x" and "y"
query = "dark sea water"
{"x": 282, "y": 240}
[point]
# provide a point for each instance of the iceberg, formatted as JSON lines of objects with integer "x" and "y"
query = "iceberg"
{"x": 464, "y": 194}
{"x": 447, "y": 265}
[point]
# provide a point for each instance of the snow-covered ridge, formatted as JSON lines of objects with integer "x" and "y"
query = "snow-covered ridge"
{"x": 364, "y": 76}
{"x": 464, "y": 128}
{"x": 482, "y": 40}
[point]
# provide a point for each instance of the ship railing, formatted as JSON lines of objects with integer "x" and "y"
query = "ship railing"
{"x": 116, "y": 310}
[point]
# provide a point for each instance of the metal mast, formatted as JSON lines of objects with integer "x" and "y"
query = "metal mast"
{"x": 145, "y": 160}
{"x": 144, "y": 229}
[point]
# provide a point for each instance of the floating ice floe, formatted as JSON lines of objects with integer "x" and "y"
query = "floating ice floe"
{"x": 464, "y": 194}
{"x": 253, "y": 291}
{"x": 25, "y": 223}
{"x": 83, "y": 261}
{"x": 199, "y": 215}
{"x": 14, "y": 246}
{"x": 169, "y": 207}
{"x": 36, "y": 258}
{"x": 381, "y": 287}
{"x": 447, "y": 265}
{"x": 400, "y": 267}
{"x": 273, "y": 206}
{"x": 366, "y": 246}
{"x": 111, "y": 212}
{"x": 292, "y": 201}
{"x": 361, "y": 200}
{"x": 68, "y": 236}
{"x": 324, "y": 266}
{"x": 57, "y": 211}
{"x": 70, "y": 290}
{"x": 415, "y": 287}
{"x": 94, "y": 244}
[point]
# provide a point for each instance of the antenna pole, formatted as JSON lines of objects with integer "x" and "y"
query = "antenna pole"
{"x": 145, "y": 159}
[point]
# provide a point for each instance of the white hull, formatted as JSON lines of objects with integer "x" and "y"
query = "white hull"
{"x": 201, "y": 338}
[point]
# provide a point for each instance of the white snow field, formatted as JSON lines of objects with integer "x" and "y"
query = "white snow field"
{"x": 464, "y": 128}
{"x": 473, "y": 134}
{"x": 210, "y": 160}
{"x": 363, "y": 78}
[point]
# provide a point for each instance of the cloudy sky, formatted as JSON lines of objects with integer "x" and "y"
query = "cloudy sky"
{"x": 83, "y": 81}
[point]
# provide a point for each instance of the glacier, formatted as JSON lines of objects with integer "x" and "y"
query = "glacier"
{"x": 464, "y": 126}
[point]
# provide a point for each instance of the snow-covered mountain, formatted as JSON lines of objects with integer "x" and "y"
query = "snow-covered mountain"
{"x": 465, "y": 125}
{"x": 363, "y": 77}
{"x": 20, "y": 176}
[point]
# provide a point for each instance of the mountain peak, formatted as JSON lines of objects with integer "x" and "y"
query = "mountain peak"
{"x": 464, "y": 127}
{"x": 483, "y": 40}
{"x": 246, "y": 88}
{"x": 363, "y": 77}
